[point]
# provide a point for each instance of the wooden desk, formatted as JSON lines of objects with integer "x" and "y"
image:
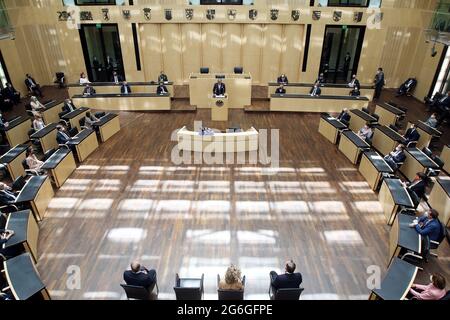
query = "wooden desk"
{"x": 388, "y": 114}
{"x": 351, "y": 145}
{"x": 238, "y": 88}
{"x": 26, "y": 232}
{"x": 307, "y": 103}
{"x": 23, "y": 278}
{"x": 385, "y": 139}
{"x": 125, "y": 102}
{"x": 17, "y": 131}
{"x": 439, "y": 199}
{"x": 219, "y": 108}
{"x": 445, "y": 156}
{"x": 38, "y": 193}
{"x": 60, "y": 165}
{"x": 219, "y": 142}
{"x": 358, "y": 119}
{"x": 393, "y": 196}
{"x": 51, "y": 112}
{"x": 330, "y": 127}
{"x": 426, "y": 134}
{"x": 84, "y": 143}
{"x": 13, "y": 161}
{"x": 397, "y": 282}
{"x": 108, "y": 126}
{"x": 416, "y": 161}
{"x": 74, "y": 117}
{"x": 403, "y": 238}
{"x": 372, "y": 167}
{"x": 114, "y": 88}
{"x": 328, "y": 88}
{"x": 46, "y": 137}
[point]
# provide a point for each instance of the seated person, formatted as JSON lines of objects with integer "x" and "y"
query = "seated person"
{"x": 116, "y": 78}
{"x": 282, "y": 79}
{"x": 89, "y": 91}
{"x": 418, "y": 185}
{"x": 315, "y": 91}
{"x": 435, "y": 290}
{"x": 439, "y": 102}
{"x": 90, "y": 120}
{"x": 83, "y": 79}
{"x": 139, "y": 276}
{"x": 428, "y": 225}
{"x": 344, "y": 115}
{"x": 5, "y": 103}
{"x": 5, "y": 235}
{"x": 33, "y": 86}
{"x": 3, "y": 122}
{"x": 407, "y": 87}
{"x": 62, "y": 136}
{"x": 287, "y": 280}
{"x": 432, "y": 120}
{"x": 125, "y": 88}
{"x": 321, "y": 78}
{"x": 365, "y": 132}
{"x": 32, "y": 161}
{"x": 68, "y": 106}
{"x": 411, "y": 134}
{"x": 354, "y": 82}
{"x": 232, "y": 280}
{"x": 38, "y": 123}
{"x": 280, "y": 90}
{"x": 11, "y": 93}
{"x": 162, "y": 77}
{"x": 161, "y": 89}
{"x": 395, "y": 157}
{"x": 219, "y": 88}
{"x": 36, "y": 106}
{"x": 355, "y": 92}
{"x": 7, "y": 196}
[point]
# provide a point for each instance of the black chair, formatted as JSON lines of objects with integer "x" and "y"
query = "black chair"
{"x": 82, "y": 123}
{"x": 366, "y": 110}
{"x": 48, "y": 154}
{"x": 18, "y": 184}
{"x": 60, "y": 80}
{"x": 377, "y": 117}
{"x": 286, "y": 294}
{"x": 204, "y": 70}
{"x": 139, "y": 293}
{"x": 227, "y": 294}
{"x": 27, "y": 169}
{"x": 189, "y": 288}
{"x": 393, "y": 127}
{"x": 427, "y": 152}
{"x": 238, "y": 70}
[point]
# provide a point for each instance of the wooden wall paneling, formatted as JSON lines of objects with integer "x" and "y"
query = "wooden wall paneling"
{"x": 212, "y": 47}
{"x": 292, "y": 51}
{"x": 251, "y": 50}
{"x": 151, "y": 50}
{"x": 231, "y": 52}
{"x": 171, "y": 51}
{"x": 191, "y": 49}
{"x": 271, "y": 54}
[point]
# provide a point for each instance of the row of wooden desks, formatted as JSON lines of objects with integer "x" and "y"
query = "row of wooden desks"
{"x": 328, "y": 88}
{"x": 51, "y": 111}
{"x": 351, "y": 145}
{"x": 84, "y": 143}
{"x": 358, "y": 119}
{"x": 330, "y": 127}
{"x": 372, "y": 168}
{"x": 108, "y": 126}
{"x": 36, "y": 194}
{"x": 416, "y": 161}
{"x": 17, "y": 130}
{"x": 113, "y": 88}
{"x": 73, "y": 117}
{"x": 46, "y": 137}
{"x": 393, "y": 196}
{"x": 426, "y": 133}
{"x": 13, "y": 160}
{"x": 388, "y": 114}
{"x": 60, "y": 165}
{"x": 385, "y": 139}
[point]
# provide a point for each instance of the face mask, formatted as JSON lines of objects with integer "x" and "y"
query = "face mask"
{"x": 431, "y": 278}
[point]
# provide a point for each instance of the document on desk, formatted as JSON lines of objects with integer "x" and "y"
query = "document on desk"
{"x": 376, "y": 157}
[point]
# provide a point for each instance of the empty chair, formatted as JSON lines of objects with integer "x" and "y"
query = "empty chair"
{"x": 229, "y": 294}
{"x": 377, "y": 117}
{"x": 188, "y": 288}
{"x": 204, "y": 70}
{"x": 139, "y": 293}
{"x": 238, "y": 70}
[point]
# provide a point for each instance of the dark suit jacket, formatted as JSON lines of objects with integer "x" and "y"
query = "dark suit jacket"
{"x": 287, "y": 280}
{"x": 139, "y": 279}
{"x": 282, "y": 80}
{"x": 355, "y": 93}
{"x": 162, "y": 78}
{"x": 400, "y": 157}
{"x": 280, "y": 90}
{"x": 28, "y": 82}
{"x": 379, "y": 80}
{"x": 318, "y": 91}
{"x": 356, "y": 83}
{"x": 122, "y": 89}
{"x": 161, "y": 89}
{"x": 68, "y": 108}
{"x": 412, "y": 135}
{"x": 89, "y": 91}
{"x": 418, "y": 188}
{"x": 7, "y": 197}
{"x": 219, "y": 91}
{"x": 10, "y": 93}
{"x": 344, "y": 116}
{"x": 61, "y": 139}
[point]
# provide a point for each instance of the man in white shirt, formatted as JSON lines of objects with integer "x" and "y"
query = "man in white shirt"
{"x": 38, "y": 123}
{"x": 125, "y": 88}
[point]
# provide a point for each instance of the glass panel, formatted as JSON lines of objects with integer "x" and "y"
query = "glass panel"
{"x": 102, "y": 52}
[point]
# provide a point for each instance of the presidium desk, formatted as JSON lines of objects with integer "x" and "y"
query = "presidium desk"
{"x": 307, "y": 103}
{"x": 113, "y": 88}
{"x": 218, "y": 142}
{"x": 124, "y": 102}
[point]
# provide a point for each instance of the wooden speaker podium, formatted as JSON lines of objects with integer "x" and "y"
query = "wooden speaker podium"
{"x": 219, "y": 107}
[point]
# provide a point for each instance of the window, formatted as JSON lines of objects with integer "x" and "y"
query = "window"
{"x": 350, "y": 3}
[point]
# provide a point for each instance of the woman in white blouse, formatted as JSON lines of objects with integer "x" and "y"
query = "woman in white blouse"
{"x": 83, "y": 79}
{"x": 38, "y": 123}
{"x": 32, "y": 161}
{"x": 36, "y": 106}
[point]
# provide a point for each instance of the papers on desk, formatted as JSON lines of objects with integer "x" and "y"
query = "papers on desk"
{"x": 331, "y": 118}
{"x": 376, "y": 157}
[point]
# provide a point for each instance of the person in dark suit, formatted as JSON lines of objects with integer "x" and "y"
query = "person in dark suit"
{"x": 139, "y": 276}
{"x": 411, "y": 134}
{"x": 429, "y": 225}
{"x": 283, "y": 79}
{"x": 280, "y": 90}
{"x": 62, "y": 136}
{"x": 89, "y": 91}
{"x": 395, "y": 157}
{"x": 287, "y": 280}
{"x": 116, "y": 78}
{"x": 379, "y": 83}
{"x": 315, "y": 91}
{"x": 7, "y": 196}
{"x": 3, "y": 122}
{"x": 344, "y": 116}
{"x": 219, "y": 88}
{"x": 347, "y": 60}
{"x": 321, "y": 78}
{"x": 11, "y": 93}
{"x": 419, "y": 184}
{"x": 354, "y": 82}
{"x": 161, "y": 89}
{"x": 162, "y": 77}
{"x": 5, "y": 102}
{"x": 355, "y": 92}
{"x": 68, "y": 106}
{"x": 125, "y": 88}
{"x": 407, "y": 87}
{"x": 33, "y": 86}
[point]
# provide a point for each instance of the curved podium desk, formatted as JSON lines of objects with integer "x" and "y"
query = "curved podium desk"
{"x": 219, "y": 142}
{"x": 125, "y": 102}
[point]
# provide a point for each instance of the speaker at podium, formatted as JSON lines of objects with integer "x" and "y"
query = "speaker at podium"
{"x": 219, "y": 107}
